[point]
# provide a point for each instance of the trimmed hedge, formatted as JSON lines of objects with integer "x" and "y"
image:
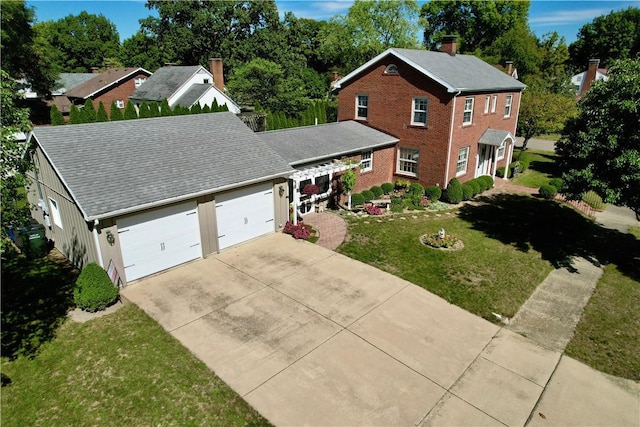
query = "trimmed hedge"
{"x": 501, "y": 171}
{"x": 368, "y": 195}
{"x": 453, "y": 193}
{"x": 416, "y": 189}
{"x": 93, "y": 290}
{"x": 387, "y": 187}
{"x": 594, "y": 200}
{"x": 467, "y": 191}
{"x": 475, "y": 185}
{"x": 377, "y": 191}
{"x": 357, "y": 199}
{"x": 433, "y": 193}
{"x": 488, "y": 180}
{"x": 548, "y": 191}
{"x": 557, "y": 182}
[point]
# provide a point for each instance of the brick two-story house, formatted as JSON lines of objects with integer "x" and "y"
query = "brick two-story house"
{"x": 455, "y": 115}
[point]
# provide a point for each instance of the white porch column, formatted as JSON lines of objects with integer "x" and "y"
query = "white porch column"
{"x": 296, "y": 199}
{"x": 494, "y": 162}
{"x": 509, "y": 157}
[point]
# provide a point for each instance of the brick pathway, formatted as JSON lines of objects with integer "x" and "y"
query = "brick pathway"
{"x": 332, "y": 228}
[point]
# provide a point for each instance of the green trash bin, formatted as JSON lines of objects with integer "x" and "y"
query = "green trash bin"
{"x": 33, "y": 241}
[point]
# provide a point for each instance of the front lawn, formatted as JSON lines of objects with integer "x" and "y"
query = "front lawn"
{"x": 541, "y": 169}
{"x": 484, "y": 277}
{"x": 121, "y": 369}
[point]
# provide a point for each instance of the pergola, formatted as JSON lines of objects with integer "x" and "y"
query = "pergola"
{"x": 311, "y": 173}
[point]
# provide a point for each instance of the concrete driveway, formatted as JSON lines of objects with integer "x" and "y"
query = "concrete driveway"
{"x": 310, "y": 337}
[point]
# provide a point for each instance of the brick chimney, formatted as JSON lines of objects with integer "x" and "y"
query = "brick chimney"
{"x": 215, "y": 66}
{"x": 590, "y": 76}
{"x": 509, "y": 65}
{"x": 95, "y": 70}
{"x": 448, "y": 44}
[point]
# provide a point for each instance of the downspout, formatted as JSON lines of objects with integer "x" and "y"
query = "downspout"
{"x": 448, "y": 161}
{"x": 513, "y": 142}
{"x": 96, "y": 222}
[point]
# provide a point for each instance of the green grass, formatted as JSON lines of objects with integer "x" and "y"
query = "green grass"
{"x": 484, "y": 277}
{"x": 608, "y": 335}
{"x": 541, "y": 169}
{"x": 121, "y": 369}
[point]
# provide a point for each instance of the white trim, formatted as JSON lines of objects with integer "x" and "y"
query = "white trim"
{"x": 413, "y": 110}
{"x": 55, "y": 213}
{"x": 502, "y": 147}
{"x": 390, "y": 70}
{"x": 464, "y": 111}
{"x": 448, "y": 162}
{"x": 120, "y": 102}
{"x": 508, "y": 103}
{"x": 96, "y": 240}
{"x": 487, "y": 100}
{"x": 358, "y": 106}
{"x": 466, "y": 161}
{"x": 368, "y": 159}
{"x": 494, "y": 102}
{"x": 412, "y": 161}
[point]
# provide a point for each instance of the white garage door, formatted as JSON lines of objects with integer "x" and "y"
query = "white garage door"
{"x": 156, "y": 240}
{"x": 244, "y": 214}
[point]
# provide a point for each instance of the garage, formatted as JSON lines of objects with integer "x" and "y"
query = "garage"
{"x": 244, "y": 214}
{"x": 159, "y": 239}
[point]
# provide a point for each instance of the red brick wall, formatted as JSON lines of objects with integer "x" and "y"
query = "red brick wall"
{"x": 390, "y": 110}
{"x": 122, "y": 91}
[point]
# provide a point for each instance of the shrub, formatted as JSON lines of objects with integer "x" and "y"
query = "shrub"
{"x": 93, "y": 290}
{"x": 475, "y": 185}
{"x": 368, "y": 195}
{"x": 375, "y": 210}
{"x": 298, "y": 231}
{"x": 377, "y": 191}
{"x": 594, "y": 200}
{"x": 501, "y": 171}
{"x": 416, "y": 189}
{"x": 524, "y": 159}
{"x": 488, "y": 181}
{"x": 387, "y": 187}
{"x": 310, "y": 189}
{"x": 512, "y": 168}
{"x": 402, "y": 184}
{"x": 397, "y": 204}
{"x": 357, "y": 199}
{"x": 557, "y": 182}
{"x": 548, "y": 191}
{"x": 482, "y": 185}
{"x": 467, "y": 191}
{"x": 454, "y": 191}
{"x": 433, "y": 193}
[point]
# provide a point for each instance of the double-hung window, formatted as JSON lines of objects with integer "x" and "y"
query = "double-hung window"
{"x": 138, "y": 82}
{"x": 408, "y": 161}
{"x": 501, "y": 150}
{"x": 468, "y": 111}
{"x": 486, "y": 104}
{"x": 362, "y": 107}
{"x": 55, "y": 212}
{"x": 494, "y": 101}
{"x": 463, "y": 159}
{"x": 507, "y": 106}
{"x": 366, "y": 161}
{"x": 419, "y": 111}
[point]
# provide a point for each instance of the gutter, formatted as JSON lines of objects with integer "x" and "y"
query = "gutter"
{"x": 341, "y": 153}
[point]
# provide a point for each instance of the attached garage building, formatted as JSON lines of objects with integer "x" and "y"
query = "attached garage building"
{"x": 141, "y": 196}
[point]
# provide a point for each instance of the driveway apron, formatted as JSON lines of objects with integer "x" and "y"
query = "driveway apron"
{"x": 310, "y": 337}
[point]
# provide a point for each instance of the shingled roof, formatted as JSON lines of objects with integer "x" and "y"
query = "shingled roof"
{"x": 102, "y": 81}
{"x": 332, "y": 140}
{"x": 457, "y": 73}
{"x": 164, "y": 82}
{"x": 118, "y": 167}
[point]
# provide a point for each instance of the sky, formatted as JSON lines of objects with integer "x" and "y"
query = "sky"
{"x": 565, "y": 17}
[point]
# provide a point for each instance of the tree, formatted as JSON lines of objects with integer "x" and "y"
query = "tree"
{"x": 75, "y": 116}
{"x": 89, "y": 112}
{"x": 607, "y": 37}
{"x": 77, "y": 43}
{"x": 130, "y": 111}
{"x": 517, "y": 44}
{"x": 143, "y": 110}
{"x": 101, "y": 115}
{"x": 115, "y": 113}
{"x": 600, "y": 148}
{"x": 143, "y": 50}
{"x": 13, "y": 167}
{"x": 165, "y": 110}
{"x": 21, "y": 54}
{"x": 154, "y": 110}
{"x": 57, "y": 119}
{"x": 543, "y": 112}
{"x": 348, "y": 181}
{"x": 477, "y": 23}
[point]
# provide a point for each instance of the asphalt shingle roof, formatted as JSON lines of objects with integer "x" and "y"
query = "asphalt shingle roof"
{"x": 494, "y": 137}
{"x": 117, "y": 167}
{"x": 464, "y": 73}
{"x": 101, "y": 81}
{"x": 67, "y": 81}
{"x": 164, "y": 82}
{"x": 314, "y": 143}
{"x": 192, "y": 94}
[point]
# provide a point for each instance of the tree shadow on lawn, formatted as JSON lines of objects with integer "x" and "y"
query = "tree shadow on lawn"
{"x": 36, "y": 296}
{"x": 555, "y": 230}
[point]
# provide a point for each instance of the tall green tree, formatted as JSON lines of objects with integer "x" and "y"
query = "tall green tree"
{"x": 75, "y": 116}
{"x": 115, "y": 114}
{"x": 130, "y": 111}
{"x": 600, "y": 148}
{"x": 101, "y": 114}
{"x": 21, "y": 54}
{"x": 543, "y": 112}
{"x": 14, "y": 210}
{"x": 78, "y": 42}
{"x": 165, "y": 109}
{"x": 57, "y": 119}
{"x": 143, "y": 50}
{"x": 143, "y": 110}
{"x": 89, "y": 111}
{"x": 607, "y": 37}
{"x": 517, "y": 44}
{"x": 477, "y": 23}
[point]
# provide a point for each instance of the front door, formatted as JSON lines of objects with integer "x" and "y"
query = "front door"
{"x": 485, "y": 154}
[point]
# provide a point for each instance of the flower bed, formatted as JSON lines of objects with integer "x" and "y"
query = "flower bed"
{"x": 448, "y": 242}
{"x": 298, "y": 231}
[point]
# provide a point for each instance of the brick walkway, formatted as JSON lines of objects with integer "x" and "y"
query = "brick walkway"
{"x": 332, "y": 228}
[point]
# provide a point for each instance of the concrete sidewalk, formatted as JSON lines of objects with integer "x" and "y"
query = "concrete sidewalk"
{"x": 310, "y": 337}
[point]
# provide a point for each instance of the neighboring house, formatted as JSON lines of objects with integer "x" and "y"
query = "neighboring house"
{"x": 186, "y": 86}
{"x": 455, "y": 115}
{"x": 582, "y": 82}
{"x": 114, "y": 85}
{"x": 141, "y": 196}
{"x": 509, "y": 69}
{"x": 315, "y": 152}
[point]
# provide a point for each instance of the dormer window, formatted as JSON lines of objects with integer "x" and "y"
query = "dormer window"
{"x": 391, "y": 69}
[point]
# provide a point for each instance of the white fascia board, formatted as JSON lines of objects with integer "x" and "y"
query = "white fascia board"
{"x": 118, "y": 81}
